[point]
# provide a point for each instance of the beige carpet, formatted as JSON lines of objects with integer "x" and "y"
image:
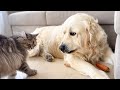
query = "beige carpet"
{"x": 56, "y": 70}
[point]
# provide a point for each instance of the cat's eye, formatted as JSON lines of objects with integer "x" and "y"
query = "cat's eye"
{"x": 33, "y": 42}
{"x": 29, "y": 45}
{"x": 72, "y": 33}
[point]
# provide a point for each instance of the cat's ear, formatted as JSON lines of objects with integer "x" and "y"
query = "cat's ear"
{"x": 21, "y": 33}
{"x": 30, "y": 36}
{"x": 34, "y": 35}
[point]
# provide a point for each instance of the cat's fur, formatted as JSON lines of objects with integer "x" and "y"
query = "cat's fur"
{"x": 13, "y": 53}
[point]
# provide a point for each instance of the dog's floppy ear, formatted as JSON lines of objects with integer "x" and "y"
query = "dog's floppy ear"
{"x": 91, "y": 30}
{"x": 93, "y": 19}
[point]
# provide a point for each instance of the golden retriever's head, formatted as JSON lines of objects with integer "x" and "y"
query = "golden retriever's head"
{"x": 80, "y": 31}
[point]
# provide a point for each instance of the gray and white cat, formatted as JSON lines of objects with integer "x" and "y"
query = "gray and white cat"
{"x": 13, "y": 53}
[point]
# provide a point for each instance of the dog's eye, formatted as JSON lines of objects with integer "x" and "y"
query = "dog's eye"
{"x": 64, "y": 32}
{"x": 72, "y": 33}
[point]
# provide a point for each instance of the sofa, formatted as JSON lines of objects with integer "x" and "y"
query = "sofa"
{"x": 12, "y": 22}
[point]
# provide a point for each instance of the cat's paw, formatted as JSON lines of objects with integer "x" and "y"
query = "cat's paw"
{"x": 32, "y": 72}
{"x": 49, "y": 57}
{"x": 20, "y": 75}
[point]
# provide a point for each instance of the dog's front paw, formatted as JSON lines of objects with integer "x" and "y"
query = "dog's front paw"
{"x": 100, "y": 75}
{"x": 49, "y": 57}
{"x": 67, "y": 64}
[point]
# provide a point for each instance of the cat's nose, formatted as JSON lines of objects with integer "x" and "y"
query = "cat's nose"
{"x": 32, "y": 46}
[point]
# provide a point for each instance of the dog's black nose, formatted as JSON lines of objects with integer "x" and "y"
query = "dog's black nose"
{"x": 63, "y": 48}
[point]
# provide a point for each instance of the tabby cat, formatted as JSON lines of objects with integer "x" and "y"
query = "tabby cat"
{"x": 13, "y": 53}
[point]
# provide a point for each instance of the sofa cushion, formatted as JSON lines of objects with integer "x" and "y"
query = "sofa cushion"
{"x": 58, "y": 17}
{"x": 27, "y": 29}
{"x": 109, "y": 29}
{"x": 28, "y": 18}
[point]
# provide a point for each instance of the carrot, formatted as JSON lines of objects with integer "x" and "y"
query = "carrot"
{"x": 102, "y": 67}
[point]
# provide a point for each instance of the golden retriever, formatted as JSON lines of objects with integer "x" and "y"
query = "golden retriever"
{"x": 80, "y": 41}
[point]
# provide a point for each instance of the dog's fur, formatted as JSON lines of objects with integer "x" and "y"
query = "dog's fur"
{"x": 84, "y": 42}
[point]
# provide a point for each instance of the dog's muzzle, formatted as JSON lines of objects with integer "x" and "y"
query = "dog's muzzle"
{"x": 64, "y": 48}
